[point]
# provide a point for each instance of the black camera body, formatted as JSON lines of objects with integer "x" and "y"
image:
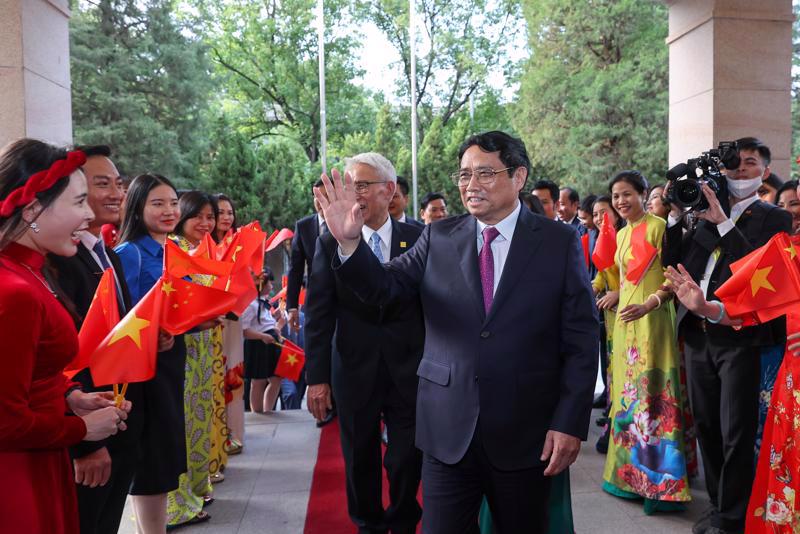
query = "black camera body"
{"x": 687, "y": 179}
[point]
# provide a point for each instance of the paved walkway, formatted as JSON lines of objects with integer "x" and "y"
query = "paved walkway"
{"x": 266, "y": 488}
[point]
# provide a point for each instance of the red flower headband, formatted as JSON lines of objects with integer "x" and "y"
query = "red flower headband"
{"x": 41, "y": 181}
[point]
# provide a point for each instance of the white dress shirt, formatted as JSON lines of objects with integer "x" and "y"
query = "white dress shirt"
{"x": 385, "y": 233}
{"x": 402, "y": 218}
{"x": 250, "y": 317}
{"x": 501, "y": 244}
{"x": 89, "y": 241}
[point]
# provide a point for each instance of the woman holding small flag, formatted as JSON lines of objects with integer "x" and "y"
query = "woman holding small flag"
{"x": 773, "y": 506}
{"x": 647, "y": 455}
{"x": 151, "y": 213}
{"x": 42, "y": 208}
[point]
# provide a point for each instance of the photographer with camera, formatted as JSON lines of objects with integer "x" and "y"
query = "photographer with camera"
{"x": 723, "y": 361}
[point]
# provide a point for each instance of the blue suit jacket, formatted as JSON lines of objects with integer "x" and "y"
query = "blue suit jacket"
{"x": 527, "y": 367}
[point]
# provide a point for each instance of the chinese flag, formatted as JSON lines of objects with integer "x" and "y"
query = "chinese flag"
{"x": 207, "y": 249}
{"x": 291, "y": 361}
{"x": 585, "y": 245}
{"x": 643, "y": 255}
{"x": 766, "y": 282}
{"x": 278, "y": 296}
{"x": 128, "y": 352}
{"x": 179, "y": 263}
{"x": 102, "y": 317}
{"x": 606, "y": 246}
{"x": 186, "y": 304}
{"x": 240, "y": 283}
{"x": 282, "y": 236}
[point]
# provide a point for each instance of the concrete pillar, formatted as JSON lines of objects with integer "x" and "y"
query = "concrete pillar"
{"x": 730, "y": 76}
{"x": 35, "y": 99}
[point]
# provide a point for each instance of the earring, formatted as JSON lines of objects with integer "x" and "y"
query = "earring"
{"x": 34, "y": 227}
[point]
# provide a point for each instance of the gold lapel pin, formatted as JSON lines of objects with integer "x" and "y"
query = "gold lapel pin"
{"x": 403, "y": 244}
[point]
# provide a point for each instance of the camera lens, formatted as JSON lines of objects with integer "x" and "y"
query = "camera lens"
{"x": 688, "y": 192}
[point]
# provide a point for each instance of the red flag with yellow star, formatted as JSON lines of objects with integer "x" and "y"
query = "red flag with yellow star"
{"x": 606, "y": 246}
{"x": 643, "y": 254}
{"x": 291, "y": 361}
{"x": 102, "y": 316}
{"x": 179, "y": 263}
{"x": 279, "y": 238}
{"x": 765, "y": 283}
{"x": 207, "y": 249}
{"x": 186, "y": 304}
{"x": 128, "y": 352}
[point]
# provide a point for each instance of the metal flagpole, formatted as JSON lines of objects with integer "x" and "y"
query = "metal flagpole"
{"x": 323, "y": 130}
{"x": 412, "y": 33}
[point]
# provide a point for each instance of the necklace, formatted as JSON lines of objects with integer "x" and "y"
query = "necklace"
{"x": 40, "y": 279}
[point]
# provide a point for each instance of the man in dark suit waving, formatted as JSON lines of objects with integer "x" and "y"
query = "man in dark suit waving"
{"x": 510, "y": 357}
{"x": 369, "y": 354}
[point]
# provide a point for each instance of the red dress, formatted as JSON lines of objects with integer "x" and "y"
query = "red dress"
{"x": 774, "y": 506}
{"x": 37, "y": 339}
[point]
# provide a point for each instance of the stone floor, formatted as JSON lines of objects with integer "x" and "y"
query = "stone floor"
{"x": 266, "y": 488}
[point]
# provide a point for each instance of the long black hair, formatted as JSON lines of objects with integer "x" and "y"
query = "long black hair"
{"x": 133, "y": 226}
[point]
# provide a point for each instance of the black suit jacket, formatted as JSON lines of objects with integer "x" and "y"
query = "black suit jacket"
{"x": 526, "y": 367}
{"x": 78, "y": 277}
{"x": 414, "y": 222}
{"x": 345, "y": 339}
{"x": 306, "y": 231}
{"x": 759, "y": 222}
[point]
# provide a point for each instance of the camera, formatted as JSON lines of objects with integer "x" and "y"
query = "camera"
{"x": 687, "y": 179}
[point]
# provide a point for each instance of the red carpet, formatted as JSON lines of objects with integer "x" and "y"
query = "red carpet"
{"x": 327, "y": 503}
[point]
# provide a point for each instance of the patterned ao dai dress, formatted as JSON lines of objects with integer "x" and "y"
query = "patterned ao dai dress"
{"x": 646, "y": 454}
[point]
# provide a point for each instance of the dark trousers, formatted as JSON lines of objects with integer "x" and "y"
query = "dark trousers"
{"x": 724, "y": 387}
{"x": 100, "y": 508}
{"x": 361, "y": 448}
{"x": 603, "y": 355}
{"x": 452, "y": 495}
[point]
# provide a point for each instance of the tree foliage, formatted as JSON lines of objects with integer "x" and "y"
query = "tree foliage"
{"x": 593, "y": 95}
{"x": 139, "y": 84}
{"x": 266, "y": 53}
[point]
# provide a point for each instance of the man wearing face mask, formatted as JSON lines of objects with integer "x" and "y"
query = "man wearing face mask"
{"x": 724, "y": 362}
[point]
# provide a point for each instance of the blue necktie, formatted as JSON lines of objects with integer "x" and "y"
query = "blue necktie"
{"x": 99, "y": 250}
{"x": 375, "y": 245}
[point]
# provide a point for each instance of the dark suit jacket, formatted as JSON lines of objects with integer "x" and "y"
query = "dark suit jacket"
{"x": 759, "y": 222}
{"x": 414, "y": 222}
{"x": 306, "y": 231}
{"x": 528, "y": 366}
{"x": 78, "y": 276}
{"x": 345, "y": 339}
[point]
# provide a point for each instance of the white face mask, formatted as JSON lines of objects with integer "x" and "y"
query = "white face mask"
{"x": 743, "y": 188}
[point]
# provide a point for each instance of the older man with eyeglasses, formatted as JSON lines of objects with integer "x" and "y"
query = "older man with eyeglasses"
{"x": 369, "y": 355}
{"x": 510, "y": 359}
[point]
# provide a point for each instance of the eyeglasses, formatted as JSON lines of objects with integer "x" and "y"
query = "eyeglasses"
{"x": 361, "y": 187}
{"x": 484, "y": 175}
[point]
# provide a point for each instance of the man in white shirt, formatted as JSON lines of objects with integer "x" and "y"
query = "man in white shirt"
{"x": 724, "y": 362}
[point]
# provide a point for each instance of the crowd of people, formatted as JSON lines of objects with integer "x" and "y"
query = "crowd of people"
{"x": 424, "y": 339}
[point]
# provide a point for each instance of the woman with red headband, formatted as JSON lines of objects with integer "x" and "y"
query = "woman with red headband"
{"x": 42, "y": 207}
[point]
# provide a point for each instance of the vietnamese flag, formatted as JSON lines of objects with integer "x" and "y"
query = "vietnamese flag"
{"x": 102, "y": 317}
{"x": 179, "y": 263}
{"x": 643, "y": 255}
{"x": 128, "y": 352}
{"x": 606, "y": 246}
{"x": 278, "y": 296}
{"x": 281, "y": 236}
{"x": 291, "y": 361}
{"x": 186, "y": 304}
{"x": 585, "y": 245}
{"x": 766, "y": 282}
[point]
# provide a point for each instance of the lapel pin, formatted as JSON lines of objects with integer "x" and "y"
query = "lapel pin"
{"x": 403, "y": 244}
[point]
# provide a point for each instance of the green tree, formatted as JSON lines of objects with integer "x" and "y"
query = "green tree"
{"x": 593, "y": 95}
{"x": 464, "y": 40}
{"x": 140, "y": 83}
{"x": 266, "y": 53}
